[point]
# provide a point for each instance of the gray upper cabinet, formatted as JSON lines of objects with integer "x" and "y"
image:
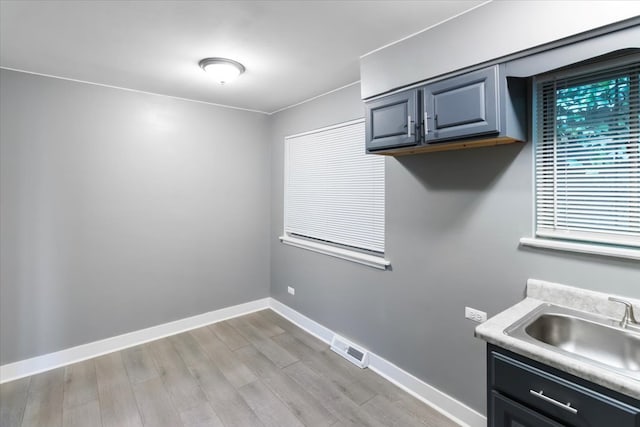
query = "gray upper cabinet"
{"x": 476, "y": 109}
{"x": 462, "y": 106}
{"x": 391, "y": 121}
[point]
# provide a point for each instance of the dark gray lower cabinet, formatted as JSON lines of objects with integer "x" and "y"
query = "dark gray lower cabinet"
{"x": 523, "y": 393}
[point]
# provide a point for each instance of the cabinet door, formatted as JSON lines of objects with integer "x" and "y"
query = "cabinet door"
{"x": 391, "y": 121}
{"x": 507, "y": 413}
{"x": 462, "y": 106}
{"x": 559, "y": 397}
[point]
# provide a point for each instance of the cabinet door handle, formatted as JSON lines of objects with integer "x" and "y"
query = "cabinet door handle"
{"x": 409, "y": 126}
{"x": 565, "y": 406}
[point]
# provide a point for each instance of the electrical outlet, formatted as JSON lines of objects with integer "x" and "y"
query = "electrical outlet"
{"x": 291, "y": 290}
{"x": 475, "y": 315}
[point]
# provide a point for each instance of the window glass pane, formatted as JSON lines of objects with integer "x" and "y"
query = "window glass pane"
{"x": 587, "y": 157}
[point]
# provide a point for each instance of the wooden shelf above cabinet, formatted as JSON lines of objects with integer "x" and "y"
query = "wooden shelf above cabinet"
{"x": 444, "y": 146}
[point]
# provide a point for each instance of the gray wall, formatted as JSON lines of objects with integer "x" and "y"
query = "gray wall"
{"x": 123, "y": 210}
{"x": 453, "y": 221}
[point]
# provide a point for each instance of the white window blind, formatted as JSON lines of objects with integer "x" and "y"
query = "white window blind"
{"x": 334, "y": 192}
{"x": 588, "y": 155}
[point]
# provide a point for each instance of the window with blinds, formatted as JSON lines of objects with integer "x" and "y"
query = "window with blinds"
{"x": 587, "y": 155}
{"x": 334, "y": 192}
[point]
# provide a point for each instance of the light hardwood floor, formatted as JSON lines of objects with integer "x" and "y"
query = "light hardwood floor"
{"x": 254, "y": 370}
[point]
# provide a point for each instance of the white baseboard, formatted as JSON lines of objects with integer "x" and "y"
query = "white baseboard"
{"x": 35, "y": 365}
{"x": 311, "y": 326}
{"x": 447, "y": 405}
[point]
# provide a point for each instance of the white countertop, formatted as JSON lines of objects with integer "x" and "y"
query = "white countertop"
{"x": 538, "y": 293}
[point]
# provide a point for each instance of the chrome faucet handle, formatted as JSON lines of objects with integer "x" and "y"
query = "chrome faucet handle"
{"x": 629, "y": 316}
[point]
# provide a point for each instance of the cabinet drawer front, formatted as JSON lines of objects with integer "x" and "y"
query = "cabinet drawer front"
{"x": 558, "y": 398}
{"x": 463, "y": 106}
{"x": 507, "y": 413}
{"x": 391, "y": 121}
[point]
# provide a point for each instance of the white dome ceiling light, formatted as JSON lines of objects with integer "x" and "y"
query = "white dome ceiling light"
{"x": 223, "y": 70}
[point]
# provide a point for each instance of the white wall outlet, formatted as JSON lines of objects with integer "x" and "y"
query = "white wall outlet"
{"x": 475, "y": 315}
{"x": 291, "y": 290}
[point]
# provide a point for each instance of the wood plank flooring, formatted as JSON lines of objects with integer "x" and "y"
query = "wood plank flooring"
{"x": 251, "y": 371}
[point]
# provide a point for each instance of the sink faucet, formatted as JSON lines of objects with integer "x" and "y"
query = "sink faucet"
{"x": 628, "y": 317}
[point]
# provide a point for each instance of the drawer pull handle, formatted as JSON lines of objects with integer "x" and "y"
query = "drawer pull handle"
{"x": 566, "y": 406}
{"x": 409, "y": 126}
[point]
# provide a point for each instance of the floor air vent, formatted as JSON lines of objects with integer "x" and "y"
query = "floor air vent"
{"x": 356, "y": 355}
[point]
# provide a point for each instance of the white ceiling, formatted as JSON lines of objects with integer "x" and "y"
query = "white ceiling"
{"x": 293, "y": 50}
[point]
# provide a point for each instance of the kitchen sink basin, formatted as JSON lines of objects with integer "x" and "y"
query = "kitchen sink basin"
{"x": 586, "y": 336}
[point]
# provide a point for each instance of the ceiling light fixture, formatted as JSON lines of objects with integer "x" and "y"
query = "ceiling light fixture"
{"x": 222, "y": 69}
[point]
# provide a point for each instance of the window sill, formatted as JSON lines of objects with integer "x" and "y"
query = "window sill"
{"x": 585, "y": 248}
{"x": 353, "y": 256}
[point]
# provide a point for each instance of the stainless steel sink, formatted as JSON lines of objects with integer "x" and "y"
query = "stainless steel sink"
{"x": 586, "y": 336}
